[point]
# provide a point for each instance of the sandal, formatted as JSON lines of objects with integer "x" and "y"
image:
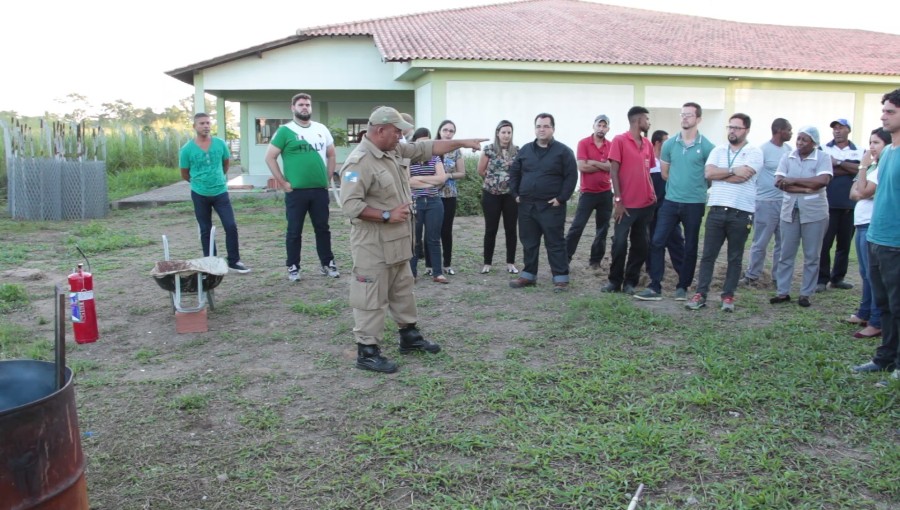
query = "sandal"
{"x": 511, "y": 269}
{"x": 440, "y": 279}
{"x": 486, "y": 269}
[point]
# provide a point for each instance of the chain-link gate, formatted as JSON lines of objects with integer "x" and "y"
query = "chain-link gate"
{"x": 52, "y": 188}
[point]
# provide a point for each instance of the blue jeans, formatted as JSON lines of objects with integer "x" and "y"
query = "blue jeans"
{"x": 296, "y": 204}
{"x": 669, "y": 216}
{"x": 884, "y": 273}
{"x": 867, "y": 309}
{"x": 588, "y": 203}
{"x": 724, "y": 224}
{"x": 430, "y": 218}
{"x": 203, "y": 208}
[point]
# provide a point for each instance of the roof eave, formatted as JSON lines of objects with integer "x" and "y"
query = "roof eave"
{"x": 186, "y": 73}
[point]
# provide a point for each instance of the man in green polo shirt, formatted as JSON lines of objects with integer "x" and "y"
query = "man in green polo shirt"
{"x": 204, "y": 163}
{"x": 683, "y": 159}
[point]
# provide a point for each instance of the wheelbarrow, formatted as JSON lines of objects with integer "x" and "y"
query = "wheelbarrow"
{"x": 187, "y": 277}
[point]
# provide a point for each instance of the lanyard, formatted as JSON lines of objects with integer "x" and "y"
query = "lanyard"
{"x": 730, "y": 159}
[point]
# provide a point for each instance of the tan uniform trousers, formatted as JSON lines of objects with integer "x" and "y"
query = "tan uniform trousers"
{"x": 373, "y": 291}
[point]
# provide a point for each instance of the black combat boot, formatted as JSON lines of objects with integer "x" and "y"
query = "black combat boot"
{"x": 368, "y": 357}
{"x": 411, "y": 340}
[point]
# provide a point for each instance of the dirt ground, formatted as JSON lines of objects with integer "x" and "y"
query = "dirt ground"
{"x": 271, "y": 342}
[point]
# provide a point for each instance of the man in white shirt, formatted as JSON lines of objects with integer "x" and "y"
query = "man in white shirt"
{"x": 733, "y": 169}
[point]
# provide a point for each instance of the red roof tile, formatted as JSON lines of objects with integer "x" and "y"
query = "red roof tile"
{"x": 572, "y": 31}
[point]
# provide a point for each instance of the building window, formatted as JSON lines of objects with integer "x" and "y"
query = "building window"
{"x": 355, "y": 129}
{"x": 266, "y": 128}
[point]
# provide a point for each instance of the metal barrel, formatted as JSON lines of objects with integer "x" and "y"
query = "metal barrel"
{"x": 41, "y": 461}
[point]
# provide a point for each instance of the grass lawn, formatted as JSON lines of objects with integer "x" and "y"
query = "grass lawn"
{"x": 538, "y": 400}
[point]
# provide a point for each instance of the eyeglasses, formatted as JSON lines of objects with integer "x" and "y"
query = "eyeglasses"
{"x": 735, "y": 128}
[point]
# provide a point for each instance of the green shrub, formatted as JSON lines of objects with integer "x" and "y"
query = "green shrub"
{"x": 469, "y": 201}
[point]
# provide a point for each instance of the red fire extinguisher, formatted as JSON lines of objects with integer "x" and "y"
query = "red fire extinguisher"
{"x": 81, "y": 301}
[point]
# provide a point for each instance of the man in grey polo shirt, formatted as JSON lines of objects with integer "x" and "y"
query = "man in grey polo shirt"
{"x": 768, "y": 203}
{"x": 732, "y": 168}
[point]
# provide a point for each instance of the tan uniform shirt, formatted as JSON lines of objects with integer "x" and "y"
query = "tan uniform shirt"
{"x": 377, "y": 179}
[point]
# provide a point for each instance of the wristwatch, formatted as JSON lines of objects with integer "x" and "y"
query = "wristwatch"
{"x": 618, "y": 199}
{"x": 386, "y": 216}
{"x": 731, "y": 171}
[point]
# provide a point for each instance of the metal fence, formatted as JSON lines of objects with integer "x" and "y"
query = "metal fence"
{"x": 41, "y": 186}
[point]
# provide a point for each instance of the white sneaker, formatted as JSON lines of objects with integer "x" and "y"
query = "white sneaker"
{"x": 330, "y": 270}
{"x": 294, "y": 273}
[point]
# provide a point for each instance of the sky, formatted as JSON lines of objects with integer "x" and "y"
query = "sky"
{"x": 98, "y": 49}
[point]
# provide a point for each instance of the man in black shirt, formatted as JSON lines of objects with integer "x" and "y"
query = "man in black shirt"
{"x": 542, "y": 178}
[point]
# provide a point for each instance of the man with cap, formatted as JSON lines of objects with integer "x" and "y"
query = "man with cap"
{"x": 845, "y": 158}
{"x": 375, "y": 195}
{"x": 683, "y": 162}
{"x": 596, "y": 192}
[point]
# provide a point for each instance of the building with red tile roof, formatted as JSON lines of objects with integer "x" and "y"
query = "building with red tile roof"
{"x": 572, "y": 58}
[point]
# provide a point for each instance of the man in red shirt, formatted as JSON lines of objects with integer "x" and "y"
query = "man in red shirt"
{"x": 596, "y": 192}
{"x": 631, "y": 158}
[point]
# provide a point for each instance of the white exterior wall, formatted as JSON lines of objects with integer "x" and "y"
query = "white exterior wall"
{"x": 424, "y": 113}
{"x": 477, "y": 107}
{"x": 340, "y": 63}
{"x": 799, "y": 107}
{"x": 871, "y": 119}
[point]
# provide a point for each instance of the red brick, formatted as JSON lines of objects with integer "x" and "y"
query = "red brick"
{"x": 191, "y": 322}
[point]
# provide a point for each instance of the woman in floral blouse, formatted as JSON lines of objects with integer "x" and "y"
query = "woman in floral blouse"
{"x": 496, "y": 200}
{"x": 455, "y": 166}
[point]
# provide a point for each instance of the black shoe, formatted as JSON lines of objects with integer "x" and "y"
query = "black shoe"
{"x": 780, "y": 299}
{"x": 821, "y": 288}
{"x": 521, "y": 283}
{"x": 411, "y": 341}
{"x": 841, "y": 285}
{"x": 870, "y": 367}
{"x": 629, "y": 290}
{"x": 804, "y": 301}
{"x": 609, "y": 288}
{"x": 368, "y": 357}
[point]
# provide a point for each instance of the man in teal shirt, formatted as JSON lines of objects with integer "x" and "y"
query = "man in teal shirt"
{"x": 884, "y": 244}
{"x": 682, "y": 160}
{"x": 204, "y": 163}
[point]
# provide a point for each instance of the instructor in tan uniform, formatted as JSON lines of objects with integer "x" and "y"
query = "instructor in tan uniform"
{"x": 375, "y": 196}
